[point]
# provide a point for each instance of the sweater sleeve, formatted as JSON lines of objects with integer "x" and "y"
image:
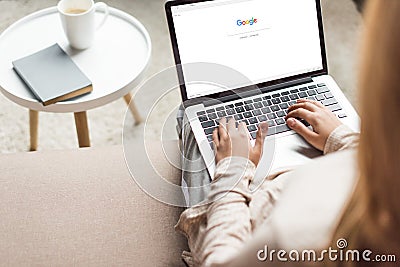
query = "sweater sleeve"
{"x": 341, "y": 138}
{"x": 228, "y": 217}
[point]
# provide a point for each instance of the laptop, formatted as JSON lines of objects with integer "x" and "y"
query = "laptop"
{"x": 267, "y": 54}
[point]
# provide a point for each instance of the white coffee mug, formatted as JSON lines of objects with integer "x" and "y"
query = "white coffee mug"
{"x": 78, "y": 21}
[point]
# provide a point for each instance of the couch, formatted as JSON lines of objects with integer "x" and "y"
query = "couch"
{"x": 81, "y": 207}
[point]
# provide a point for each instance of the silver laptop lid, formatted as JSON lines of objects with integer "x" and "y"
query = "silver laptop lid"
{"x": 268, "y": 41}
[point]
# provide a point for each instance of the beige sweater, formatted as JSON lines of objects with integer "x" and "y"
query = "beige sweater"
{"x": 236, "y": 222}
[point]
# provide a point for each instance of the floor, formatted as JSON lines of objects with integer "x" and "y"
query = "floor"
{"x": 342, "y": 23}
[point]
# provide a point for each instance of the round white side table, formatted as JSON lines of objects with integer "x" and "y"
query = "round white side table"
{"x": 115, "y": 64}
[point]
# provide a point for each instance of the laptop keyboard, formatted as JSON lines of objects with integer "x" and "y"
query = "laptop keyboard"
{"x": 270, "y": 108}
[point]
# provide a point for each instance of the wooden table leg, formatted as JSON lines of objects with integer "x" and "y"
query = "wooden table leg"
{"x": 33, "y": 129}
{"x": 132, "y": 107}
{"x": 82, "y": 129}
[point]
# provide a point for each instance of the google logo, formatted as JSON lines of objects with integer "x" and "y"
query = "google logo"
{"x": 240, "y": 22}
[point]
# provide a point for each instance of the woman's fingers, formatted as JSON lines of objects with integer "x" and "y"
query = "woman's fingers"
{"x": 316, "y": 103}
{"x": 231, "y": 125}
{"x": 304, "y": 105}
{"x": 261, "y": 134}
{"x": 222, "y": 130}
{"x": 242, "y": 128}
{"x": 302, "y": 130}
{"x": 307, "y": 104}
{"x": 302, "y": 114}
{"x": 215, "y": 137}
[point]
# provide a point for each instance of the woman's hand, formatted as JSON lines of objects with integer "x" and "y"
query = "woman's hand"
{"x": 322, "y": 120}
{"x": 232, "y": 141}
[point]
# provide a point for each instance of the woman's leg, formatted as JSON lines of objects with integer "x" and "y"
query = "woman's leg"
{"x": 195, "y": 177}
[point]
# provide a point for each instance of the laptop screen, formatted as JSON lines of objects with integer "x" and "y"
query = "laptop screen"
{"x": 265, "y": 40}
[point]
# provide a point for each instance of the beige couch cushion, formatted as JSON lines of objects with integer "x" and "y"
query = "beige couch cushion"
{"x": 81, "y": 207}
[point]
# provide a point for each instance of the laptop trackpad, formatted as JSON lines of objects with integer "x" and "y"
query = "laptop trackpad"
{"x": 284, "y": 152}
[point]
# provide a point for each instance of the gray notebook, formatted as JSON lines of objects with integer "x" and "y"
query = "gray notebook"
{"x": 52, "y": 76}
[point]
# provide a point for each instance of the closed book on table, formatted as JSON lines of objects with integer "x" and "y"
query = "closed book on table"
{"x": 52, "y": 76}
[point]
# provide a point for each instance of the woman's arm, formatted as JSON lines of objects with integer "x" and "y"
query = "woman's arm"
{"x": 228, "y": 217}
{"x": 341, "y": 138}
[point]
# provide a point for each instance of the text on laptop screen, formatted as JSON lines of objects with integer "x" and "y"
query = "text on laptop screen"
{"x": 265, "y": 40}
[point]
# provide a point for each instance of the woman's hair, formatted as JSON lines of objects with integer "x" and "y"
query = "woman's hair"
{"x": 372, "y": 217}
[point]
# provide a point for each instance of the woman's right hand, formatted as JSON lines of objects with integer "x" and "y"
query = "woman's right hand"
{"x": 322, "y": 120}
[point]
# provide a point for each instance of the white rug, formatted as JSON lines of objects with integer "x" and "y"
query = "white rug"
{"x": 57, "y": 131}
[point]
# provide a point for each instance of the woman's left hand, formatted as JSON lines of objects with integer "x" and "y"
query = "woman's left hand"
{"x": 231, "y": 141}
